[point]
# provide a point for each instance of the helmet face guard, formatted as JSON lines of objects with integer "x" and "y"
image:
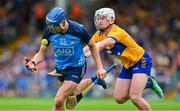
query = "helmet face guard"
{"x": 57, "y": 28}
{"x": 98, "y": 25}
{"x": 104, "y": 13}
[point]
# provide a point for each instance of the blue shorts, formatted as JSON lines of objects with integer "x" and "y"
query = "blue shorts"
{"x": 143, "y": 66}
{"x": 74, "y": 74}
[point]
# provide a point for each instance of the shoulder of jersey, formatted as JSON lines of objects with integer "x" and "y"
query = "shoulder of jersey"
{"x": 116, "y": 27}
{"x": 76, "y": 26}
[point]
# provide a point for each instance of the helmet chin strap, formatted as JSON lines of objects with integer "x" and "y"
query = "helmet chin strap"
{"x": 62, "y": 27}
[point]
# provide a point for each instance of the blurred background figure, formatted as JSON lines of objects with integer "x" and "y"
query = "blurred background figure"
{"x": 155, "y": 25}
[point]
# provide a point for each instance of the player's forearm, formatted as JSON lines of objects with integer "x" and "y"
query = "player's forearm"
{"x": 40, "y": 55}
{"x": 96, "y": 56}
{"x": 86, "y": 49}
{"x": 38, "y": 58}
{"x": 88, "y": 52}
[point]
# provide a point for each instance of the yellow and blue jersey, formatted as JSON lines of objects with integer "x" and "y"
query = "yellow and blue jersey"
{"x": 125, "y": 48}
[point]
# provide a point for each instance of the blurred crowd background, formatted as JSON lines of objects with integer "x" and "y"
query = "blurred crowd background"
{"x": 154, "y": 24}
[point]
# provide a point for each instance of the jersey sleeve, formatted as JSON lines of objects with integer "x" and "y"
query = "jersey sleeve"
{"x": 45, "y": 39}
{"x": 117, "y": 36}
{"x": 86, "y": 36}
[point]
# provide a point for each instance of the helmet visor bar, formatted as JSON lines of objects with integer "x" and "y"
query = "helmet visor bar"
{"x": 52, "y": 24}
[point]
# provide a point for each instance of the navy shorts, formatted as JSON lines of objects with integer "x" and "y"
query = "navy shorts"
{"x": 143, "y": 66}
{"x": 74, "y": 74}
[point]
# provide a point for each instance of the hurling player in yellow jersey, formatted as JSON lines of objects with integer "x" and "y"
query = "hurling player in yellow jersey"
{"x": 136, "y": 62}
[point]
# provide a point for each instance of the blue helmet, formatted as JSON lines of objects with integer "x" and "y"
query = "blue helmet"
{"x": 55, "y": 16}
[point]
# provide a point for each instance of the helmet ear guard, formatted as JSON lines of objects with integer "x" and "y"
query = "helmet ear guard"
{"x": 112, "y": 20}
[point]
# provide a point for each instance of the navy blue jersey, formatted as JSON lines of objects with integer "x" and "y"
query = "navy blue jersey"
{"x": 68, "y": 47}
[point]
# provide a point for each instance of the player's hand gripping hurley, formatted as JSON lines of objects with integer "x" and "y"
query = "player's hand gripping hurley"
{"x": 95, "y": 82}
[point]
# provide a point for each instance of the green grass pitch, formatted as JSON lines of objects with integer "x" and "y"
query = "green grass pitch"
{"x": 102, "y": 104}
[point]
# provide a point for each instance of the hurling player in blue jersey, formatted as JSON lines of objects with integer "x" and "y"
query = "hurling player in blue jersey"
{"x": 67, "y": 39}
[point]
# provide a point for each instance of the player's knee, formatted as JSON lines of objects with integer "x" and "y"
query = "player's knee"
{"x": 59, "y": 101}
{"x": 76, "y": 92}
{"x": 120, "y": 99}
{"x": 135, "y": 98}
